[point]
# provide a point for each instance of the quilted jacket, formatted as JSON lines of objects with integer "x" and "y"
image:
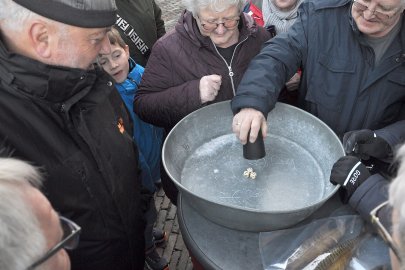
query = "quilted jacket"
{"x": 169, "y": 88}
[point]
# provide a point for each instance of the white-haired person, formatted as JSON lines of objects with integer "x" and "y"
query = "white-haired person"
{"x": 61, "y": 112}
{"x": 370, "y": 193}
{"x": 32, "y": 234}
{"x": 388, "y": 217}
{"x": 397, "y": 202}
{"x": 199, "y": 63}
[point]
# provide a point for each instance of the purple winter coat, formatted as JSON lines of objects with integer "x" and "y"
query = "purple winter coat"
{"x": 169, "y": 88}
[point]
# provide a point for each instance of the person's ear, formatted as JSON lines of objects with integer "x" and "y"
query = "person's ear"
{"x": 126, "y": 49}
{"x": 39, "y": 35}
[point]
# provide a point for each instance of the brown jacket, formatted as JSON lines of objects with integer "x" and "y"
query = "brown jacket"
{"x": 170, "y": 85}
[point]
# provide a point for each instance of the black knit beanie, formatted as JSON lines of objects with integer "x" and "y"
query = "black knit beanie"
{"x": 81, "y": 13}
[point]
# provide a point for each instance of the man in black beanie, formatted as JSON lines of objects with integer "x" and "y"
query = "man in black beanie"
{"x": 61, "y": 112}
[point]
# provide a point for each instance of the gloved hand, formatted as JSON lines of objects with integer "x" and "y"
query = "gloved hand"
{"x": 365, "y": 144}
{"x": 350, "y": 173}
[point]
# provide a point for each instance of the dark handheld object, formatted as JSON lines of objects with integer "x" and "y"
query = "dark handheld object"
{"x": 254, "y": 150}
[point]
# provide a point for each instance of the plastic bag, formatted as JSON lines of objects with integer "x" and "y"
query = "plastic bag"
{"x": 307, "y": 246}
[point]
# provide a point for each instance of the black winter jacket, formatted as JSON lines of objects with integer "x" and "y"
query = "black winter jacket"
{"x": 66, "y": 121}
{"x": 140, "y": 24}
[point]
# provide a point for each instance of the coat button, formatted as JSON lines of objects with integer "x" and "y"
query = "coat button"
{"x": 82, "y": 77}
{"x": 109, "y": 83}
{"x": 397, "y": 60}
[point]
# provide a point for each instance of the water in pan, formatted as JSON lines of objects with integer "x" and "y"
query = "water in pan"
{"x": 288, "y": 178}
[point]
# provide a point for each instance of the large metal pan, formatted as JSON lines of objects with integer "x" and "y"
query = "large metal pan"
{"x": 204, "y": 159}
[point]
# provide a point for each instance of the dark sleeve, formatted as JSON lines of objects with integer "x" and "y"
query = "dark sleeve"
{"x": 370, "y": 194}
{"x": 159, "y": 100}
{"x": 263, "y": 35}
{"x": 277, "y": 62}
{"x": 393, "y": 134}
{"x": 160, "y": 24}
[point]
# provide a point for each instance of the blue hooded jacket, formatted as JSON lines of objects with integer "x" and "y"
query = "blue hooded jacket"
{"x": 147, "y": 136}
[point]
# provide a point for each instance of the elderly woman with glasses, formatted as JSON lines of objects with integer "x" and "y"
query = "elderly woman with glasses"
{"x": 200, "y": 62}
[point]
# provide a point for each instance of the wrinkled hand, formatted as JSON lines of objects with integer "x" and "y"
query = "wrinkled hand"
{"x": 294, "y": 82}
{"x": 209, "y": 87}
{"x": 249, "y": 119}
{"x": 365, "y": 144}
{"x": 350, "y": 173}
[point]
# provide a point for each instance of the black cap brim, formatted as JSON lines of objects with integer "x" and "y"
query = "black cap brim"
{"x": 69, "y": 15}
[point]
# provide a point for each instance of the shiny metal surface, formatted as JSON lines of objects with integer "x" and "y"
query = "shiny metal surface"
{"x": 205, "y": 161}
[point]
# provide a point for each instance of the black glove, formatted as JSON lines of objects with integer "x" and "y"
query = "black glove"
{"x": 350, "y": 173}
{"x": 364, "y": 143}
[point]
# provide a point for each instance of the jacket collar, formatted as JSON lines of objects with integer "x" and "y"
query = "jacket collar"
{"x": 130, "y": 85}
{"x": 42, "y": 81}
{"x": 187, "y": 27}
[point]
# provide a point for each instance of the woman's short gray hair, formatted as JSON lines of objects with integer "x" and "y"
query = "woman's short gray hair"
{"x": 397, "y": 198}
{"x": 194, "y": 6}
{"x": 22, "y": 240}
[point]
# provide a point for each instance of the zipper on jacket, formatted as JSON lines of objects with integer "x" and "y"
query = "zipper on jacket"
{"x": 230, "y": 64}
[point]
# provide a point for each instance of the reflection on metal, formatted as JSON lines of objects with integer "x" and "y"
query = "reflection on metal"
{"x": 291, "y": 181}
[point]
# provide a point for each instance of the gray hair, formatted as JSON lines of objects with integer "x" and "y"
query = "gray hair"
{"x": 194, "y": 6}
{"x": 13, "y": 16}
{"x": 21, "y": 238}
{"x": 397, "y": 200}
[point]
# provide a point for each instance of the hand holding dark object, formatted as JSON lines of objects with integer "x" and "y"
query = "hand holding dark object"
{"x": 365, "y": 144}
{"x": 350, "y": 173}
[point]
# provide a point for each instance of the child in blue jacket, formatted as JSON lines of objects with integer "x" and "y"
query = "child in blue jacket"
{"x": 127, "y": 75}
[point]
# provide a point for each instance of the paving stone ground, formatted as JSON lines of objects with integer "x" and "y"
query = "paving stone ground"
{"x": 171, "y": 10}
{"x": 174, "y": 250}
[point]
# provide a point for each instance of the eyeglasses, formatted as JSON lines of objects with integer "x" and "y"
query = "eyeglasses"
{"x": 70, "y": 240}
{"x": 382, "y": 16}
{"x": 382, "y": 231}
{"x": 212, "y": 25}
